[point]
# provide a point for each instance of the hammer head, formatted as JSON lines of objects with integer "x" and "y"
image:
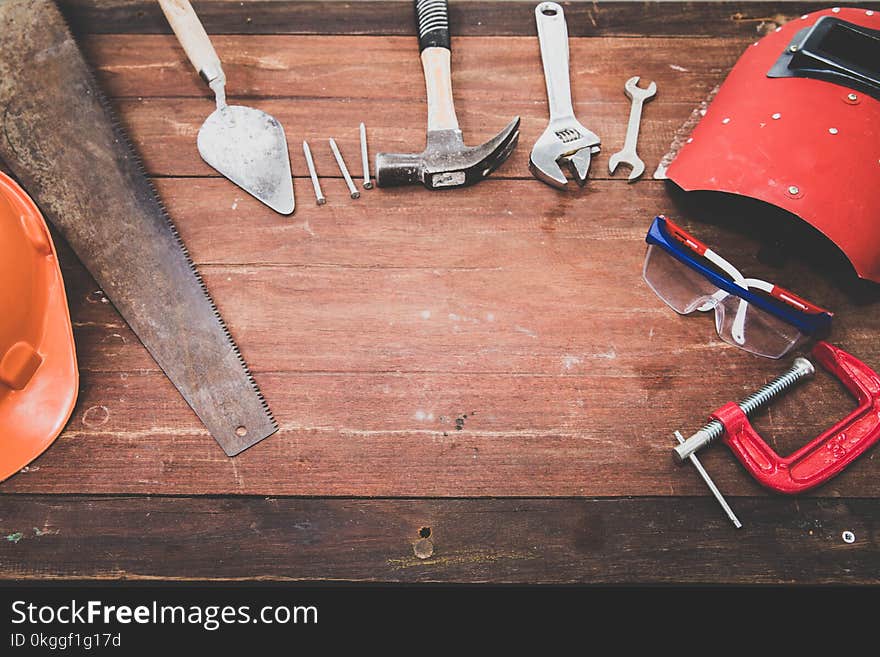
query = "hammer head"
{"x": 446, "y": 162}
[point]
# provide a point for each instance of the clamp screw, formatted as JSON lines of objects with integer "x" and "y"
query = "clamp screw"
{"x": 852, "y": 97}
{"x": 714, "y": 429}
{"x": 794, "y": 190}
{"x": 793, "y": 48}
{"x": 686, "y": 449}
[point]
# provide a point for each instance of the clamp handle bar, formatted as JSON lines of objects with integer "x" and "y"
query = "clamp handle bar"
{"x": 829, "y": 453}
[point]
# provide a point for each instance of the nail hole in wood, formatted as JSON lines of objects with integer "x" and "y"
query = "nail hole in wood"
{"x": 425, "y": 532}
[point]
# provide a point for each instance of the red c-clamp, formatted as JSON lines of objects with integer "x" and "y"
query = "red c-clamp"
{"x": 815, "y": 462}
{"x": 824, "y": 456}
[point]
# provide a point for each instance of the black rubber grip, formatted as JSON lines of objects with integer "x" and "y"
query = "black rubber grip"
{"x": 432, "y": 17}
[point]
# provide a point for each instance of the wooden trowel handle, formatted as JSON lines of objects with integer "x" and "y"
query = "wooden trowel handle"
{"x": 194, "y": 40}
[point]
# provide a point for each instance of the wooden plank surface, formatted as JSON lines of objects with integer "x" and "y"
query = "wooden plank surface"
{"x": 495, "y": 341}
{"x": 494, "y": 70}
{"x": 620, "y": 541}
{"x": 374, "y": 368}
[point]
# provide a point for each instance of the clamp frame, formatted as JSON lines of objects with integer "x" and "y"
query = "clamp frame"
{"x": 826, "y": 455}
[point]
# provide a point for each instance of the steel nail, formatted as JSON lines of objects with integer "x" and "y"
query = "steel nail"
{"x": 365, "y": 158}
{"x": 319, "y": 196}
{"x": 351, "y": 188}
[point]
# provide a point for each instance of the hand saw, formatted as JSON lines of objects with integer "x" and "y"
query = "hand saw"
{"x": 60, "y": 139}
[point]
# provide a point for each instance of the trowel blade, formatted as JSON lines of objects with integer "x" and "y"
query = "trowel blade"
{"x": 248, "y": 146}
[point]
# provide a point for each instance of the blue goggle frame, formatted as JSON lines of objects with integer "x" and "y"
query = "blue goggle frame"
{"x": 808, "y": 323}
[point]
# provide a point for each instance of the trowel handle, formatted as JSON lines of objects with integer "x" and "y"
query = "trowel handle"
{"x": 194, "y": 40}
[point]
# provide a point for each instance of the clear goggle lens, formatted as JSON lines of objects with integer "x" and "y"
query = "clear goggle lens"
{"x": 738, "y": 322}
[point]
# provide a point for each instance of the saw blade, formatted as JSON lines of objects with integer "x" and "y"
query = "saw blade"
{"x": 59, "y": 137}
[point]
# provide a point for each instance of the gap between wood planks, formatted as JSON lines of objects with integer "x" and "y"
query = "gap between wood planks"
{"x": 682, "y": 19}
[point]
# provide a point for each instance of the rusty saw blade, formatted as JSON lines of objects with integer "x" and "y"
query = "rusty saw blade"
{"x": 60, "y": 139}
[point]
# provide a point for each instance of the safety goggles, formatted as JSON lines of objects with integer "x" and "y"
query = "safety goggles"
{"x": 751, "y": 314}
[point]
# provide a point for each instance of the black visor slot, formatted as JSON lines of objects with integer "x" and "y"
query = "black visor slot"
{"x": 835, "y": 51}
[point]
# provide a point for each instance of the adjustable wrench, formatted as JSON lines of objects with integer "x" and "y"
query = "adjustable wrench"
{"x": 565, "y": 141}
{"x": 628, "y": 154}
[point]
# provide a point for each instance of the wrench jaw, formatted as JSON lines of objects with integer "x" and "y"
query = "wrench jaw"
{"x": 552, "y": 151}
{"x": 638, "y": 168}
{"x": 549, "y": 170}
{"x": 543, "y": 165}
{"x": 580, "y": 164}
{"x": 631, "y": 88}
{"x": 636, "y": 164}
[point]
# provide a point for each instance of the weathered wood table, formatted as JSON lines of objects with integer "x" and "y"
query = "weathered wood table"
{"x": 471, "y": 386}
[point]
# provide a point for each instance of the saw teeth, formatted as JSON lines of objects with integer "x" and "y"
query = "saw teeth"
{"x": 123, "y": 139}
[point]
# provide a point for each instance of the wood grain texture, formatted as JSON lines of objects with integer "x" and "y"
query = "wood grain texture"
{"x": 495, "y": 341}
{"x": 130, "y": 434}
{"x": 162, "y": 103}
{"x": 475, "y": 348}
{"x": 499, "y": 70}
{"x": 591, "y": 541}
{"x": 685, "y": 19}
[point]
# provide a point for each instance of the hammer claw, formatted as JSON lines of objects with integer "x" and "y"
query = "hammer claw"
{"x": 446, "y": 162}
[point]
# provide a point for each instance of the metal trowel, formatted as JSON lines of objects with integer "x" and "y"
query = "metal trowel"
{"x": 245, "y": 144}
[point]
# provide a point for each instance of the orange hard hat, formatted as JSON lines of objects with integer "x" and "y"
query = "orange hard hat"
{"x": 38, "y": 374}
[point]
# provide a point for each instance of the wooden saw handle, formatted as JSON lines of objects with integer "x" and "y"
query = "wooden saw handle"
{"x": 194, "y": 40}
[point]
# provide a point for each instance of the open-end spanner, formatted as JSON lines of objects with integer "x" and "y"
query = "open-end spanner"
{"x": 628, "y": 154}
{"x": 565, "y": 141}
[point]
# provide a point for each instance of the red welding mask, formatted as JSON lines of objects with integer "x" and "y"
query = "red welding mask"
{"x": 797, "y": 124}
{"x": 38, "y": 373}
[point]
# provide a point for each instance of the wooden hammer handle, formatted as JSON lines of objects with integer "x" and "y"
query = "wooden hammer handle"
{"x": 432, "y": 17}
